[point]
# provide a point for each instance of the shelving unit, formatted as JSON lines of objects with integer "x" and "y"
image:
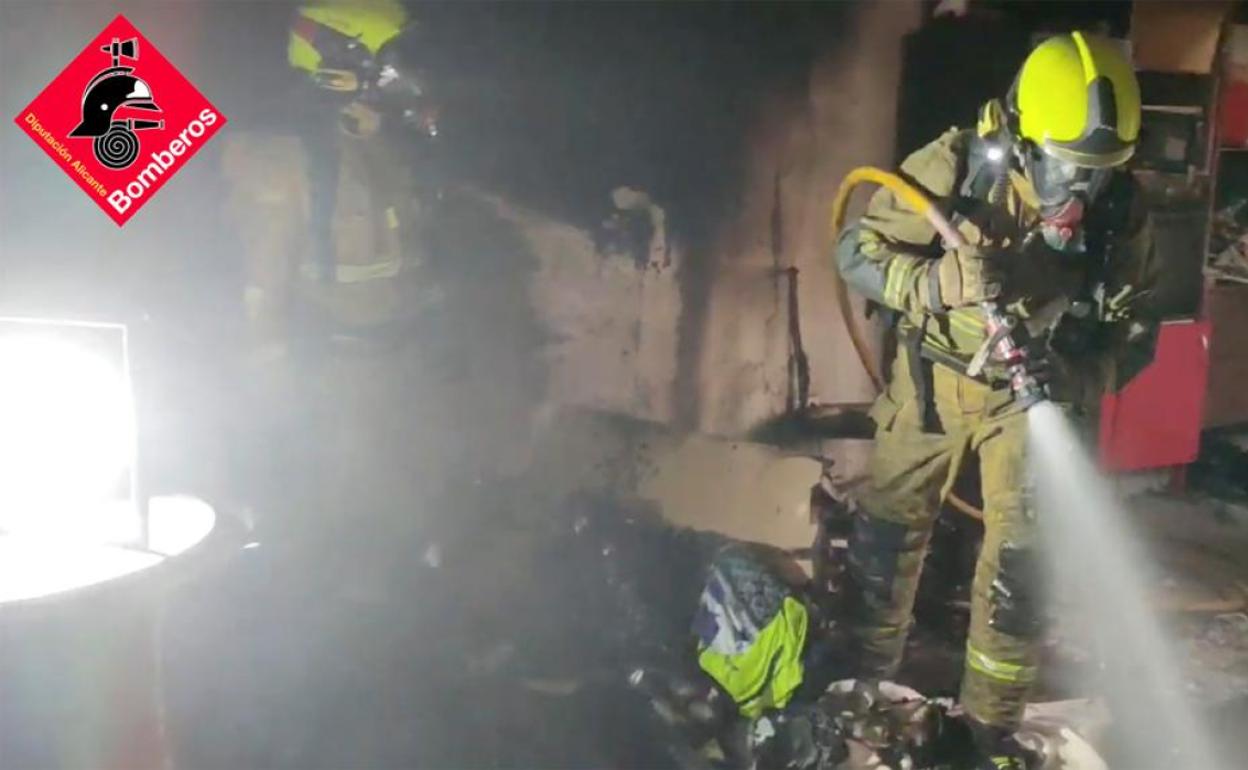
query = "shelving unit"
{"x": 1226, "y": 301}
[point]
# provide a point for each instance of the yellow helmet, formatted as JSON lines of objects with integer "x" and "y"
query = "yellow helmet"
{"x": 334, "y": 39}
{"x": 1076, "y": 98}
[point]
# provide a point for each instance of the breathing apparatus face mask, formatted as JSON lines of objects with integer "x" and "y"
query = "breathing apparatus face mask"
{"x": 1065, "y": 191}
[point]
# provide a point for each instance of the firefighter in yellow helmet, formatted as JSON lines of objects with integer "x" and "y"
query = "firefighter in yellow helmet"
{"x": 334, "y": 185}
{"x": 362, "y": 90}
{"x": 1056, "y": 235}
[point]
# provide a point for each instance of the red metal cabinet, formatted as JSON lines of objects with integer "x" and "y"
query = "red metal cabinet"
{"x": 1155, "y": 421}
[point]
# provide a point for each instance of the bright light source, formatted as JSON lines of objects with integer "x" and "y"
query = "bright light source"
{"x": 34, "y": 564}
{"x": 67, "y": 441}
{"x": 174, "y": 524}
{"x": 995, "y": 153}
{"x": 69, "y": 516}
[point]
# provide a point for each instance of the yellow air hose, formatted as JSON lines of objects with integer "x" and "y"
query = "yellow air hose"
{"x": 920, "y": 203}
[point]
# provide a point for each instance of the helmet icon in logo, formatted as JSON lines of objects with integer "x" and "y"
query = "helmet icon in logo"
{"x": 116, "y": 146}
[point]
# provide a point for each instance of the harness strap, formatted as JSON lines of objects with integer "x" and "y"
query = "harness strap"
{"x": 922, "y": 378}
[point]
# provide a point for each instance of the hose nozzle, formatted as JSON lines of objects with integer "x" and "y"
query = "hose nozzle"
{"x": 1002, "y": 347}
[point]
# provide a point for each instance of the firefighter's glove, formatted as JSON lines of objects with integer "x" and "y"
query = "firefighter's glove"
{"x": 1075, "y": 336}
{"x": 965, "y": 276}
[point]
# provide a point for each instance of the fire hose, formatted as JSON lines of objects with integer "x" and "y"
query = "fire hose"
{"x": 999, "y": 325}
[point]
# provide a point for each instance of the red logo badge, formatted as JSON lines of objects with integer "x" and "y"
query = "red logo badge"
{"x": 120, "y": 120}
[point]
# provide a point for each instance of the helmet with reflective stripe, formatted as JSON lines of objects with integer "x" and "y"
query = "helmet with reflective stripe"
{"x": 332, "y": 35}
{"x": 1077, "y": 99}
